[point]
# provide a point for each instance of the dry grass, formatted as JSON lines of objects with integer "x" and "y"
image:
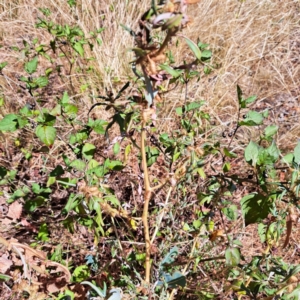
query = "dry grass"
{"x": 255, "y": 43}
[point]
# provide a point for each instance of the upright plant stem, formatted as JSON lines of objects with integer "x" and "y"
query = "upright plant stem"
{"x": 147, "y": 197}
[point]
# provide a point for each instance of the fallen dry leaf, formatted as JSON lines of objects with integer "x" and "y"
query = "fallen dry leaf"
{"x": 5, "y": 263}
{"x": 25, "y": 223}
{"x": 15, "y": 210}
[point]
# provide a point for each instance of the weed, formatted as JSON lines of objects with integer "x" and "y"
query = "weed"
{"x": 147, "y": 203}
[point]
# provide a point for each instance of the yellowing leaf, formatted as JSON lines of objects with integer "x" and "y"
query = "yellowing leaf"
{"x": 133, "y": 224}
{"x": 215, "y": 234}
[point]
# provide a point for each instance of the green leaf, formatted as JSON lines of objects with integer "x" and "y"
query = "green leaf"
{"x": 255, "y": 207}
{"x": 97, "y": 125}
{"x": 251, "y": 153}
{"x": 113, "y": 200}
{"x": 88, "y": 151}
{"x": 80, "y": 273}
{"x": 194, "y": 105}
{"x": 205, "y": 55}
{"x": 229, "y": 154}
{"x": 31, "y": 66}
{"x": 271, "y": 130}
{"x": 172, "y": 22}
{"x": 175, "y": 279}
{"x": 79, "y": 49}
{"x": 197, "y": 224}
{"x": 73, "y": 202}
{"x": 32, "y": 204}
{"x": 92, "y": 164}
{"x": 195, "y": 49}
{"x": 231, "y": 212}
{"x": 297, "y": 153}
{"x": 9, "y": 123}
{"x": 56, "y": 111}
{"x": 3, "y": 65}
{"x": 78, "y": 164}
{"x": 132, "y": 33}
{"x": 253, "y": 118}
{"x": 65, "y": 99}
{"x": 116, "y": 148}
{"x": 48, "y": 119}
{"x": 250, "y": 100}
{"x": 46, "y": 134}
{"x": 41, "y": 81}
{"x": 70, "y": 109}
{"x": 262, "y": 228}
{"x": 268, "y": 156}
{"x": 288, "y": 159}
{"x": 226, "y": 167}
{"x": 57, "y": 171}
{"x": 4, "y": 277}
{"x": 239, "y": 94}
{"x": 51, "y": 180}
{"x": 232, "y": 256}
{"x": 66, "y": 295}
{"x": 170, "y": 257}
{"x": 3, "y": 172}
{"x": 43, "y": 233}
{"x": 171, "y": 71}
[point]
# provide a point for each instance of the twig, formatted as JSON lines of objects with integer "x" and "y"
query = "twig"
{"x": 147, "y": 197}
{"x": 25, "y": 268}
{"x": 161, "y": 215}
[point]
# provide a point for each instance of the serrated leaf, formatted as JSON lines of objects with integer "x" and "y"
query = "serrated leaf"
{"x": 9, "y": 123}
{"x": 31, "y": 66}
{"x": 46, "y": 134}
{"x": 251, "y": 153}
{"x": 269, "y": 155}
{"x": 195, "y": 49}
{"x": 70, "y": 109}
{"x": 253, "y": 118}
{"x": 41, "y": 81}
